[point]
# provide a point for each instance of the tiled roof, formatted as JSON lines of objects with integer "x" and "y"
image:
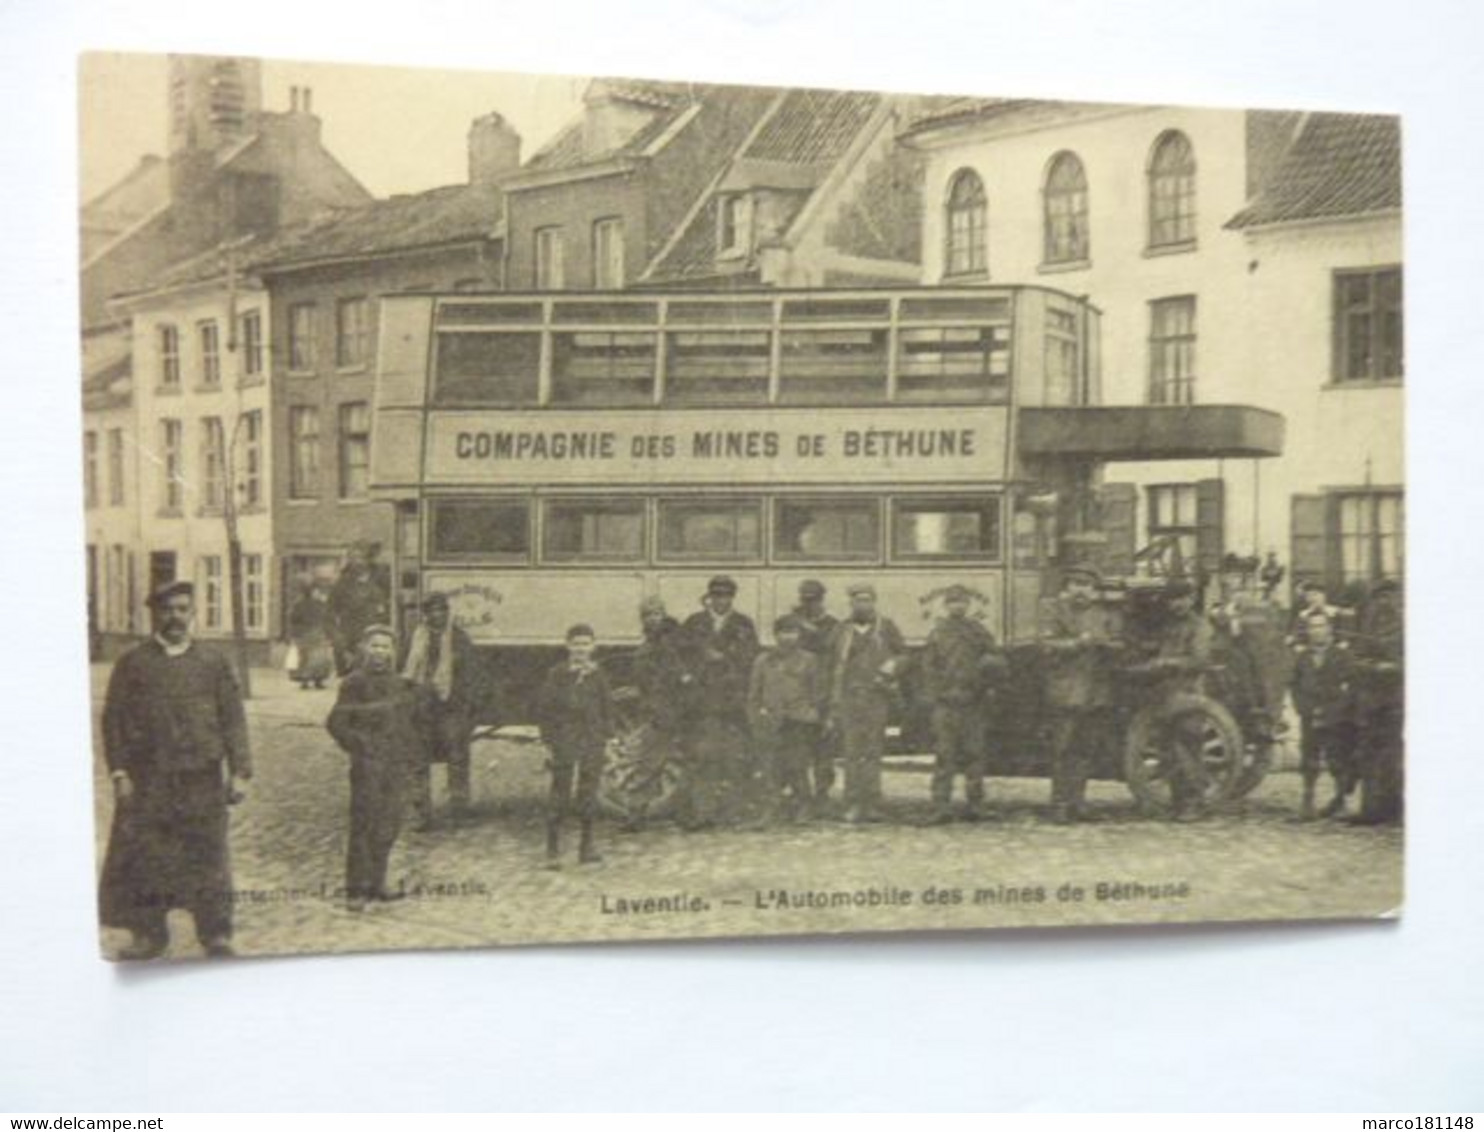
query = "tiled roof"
{"x": 668, "y": 100}
{"x": 1338, "y": 165}
{"x": 105, "y": 387}
{"x": 452, "y": 214}
{"x": 812, "y": 126}
{"x": 952, "y": 111}
{"x": 203, "y": 267}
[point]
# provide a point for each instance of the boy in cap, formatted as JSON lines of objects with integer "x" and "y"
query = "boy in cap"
{"x": 575, "y": 713}
{"x": 380, "y": 719}
{"x": 957, "y": 662}
{"x": 865, "y": 651}
{"x": 1324, "y": 693}
{"x": 720, "y": 646}
{"x": 783, "y": 705}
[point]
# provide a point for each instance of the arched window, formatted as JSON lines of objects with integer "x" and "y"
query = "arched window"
{"x": 1172, "y": 191}
{"x": 965, "y": 251}
{"x": 1066, "y": 210}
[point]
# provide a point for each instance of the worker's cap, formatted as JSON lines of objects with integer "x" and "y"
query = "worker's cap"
{"x": 435, "y": 601}
{"x": 811, "y": 587}
{"x": 721, "y": 585}
{"x": 652, "y": 606}
{"x": 862, "y": 589}
{"x": 787, "y": 624}
{"x": 371, "y": 631}
{"x": 957, "y": 592}
{"x": 581, "y": 629}
{"x": 164, "y": 593}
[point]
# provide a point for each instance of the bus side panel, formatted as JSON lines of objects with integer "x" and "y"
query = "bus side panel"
{"x": 528, "y": 608}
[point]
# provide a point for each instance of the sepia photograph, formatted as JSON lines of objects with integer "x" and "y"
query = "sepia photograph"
{"x": 538, "y": 509}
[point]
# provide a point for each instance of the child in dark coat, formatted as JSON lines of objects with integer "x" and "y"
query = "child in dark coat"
{"x": 575, "y": 712}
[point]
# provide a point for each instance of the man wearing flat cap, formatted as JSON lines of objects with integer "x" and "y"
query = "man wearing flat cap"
{"x": 442, "y": 660}
{"x": 816, "y": 624}
{"x": 1076, "y": 632}
{"x": 175, "y": 739}
{"x": 958, "y": 663}
{"x": 865, "y": 652}
{"x": 720, "y": 646}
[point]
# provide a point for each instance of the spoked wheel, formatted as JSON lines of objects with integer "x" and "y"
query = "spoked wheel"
{"x": 1187, "y": 735}
{"x": 641, "y": 776}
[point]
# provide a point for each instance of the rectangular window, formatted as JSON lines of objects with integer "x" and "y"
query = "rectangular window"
{"x": 252, "y": 344}
{"x": 1172, "y": 351}
{"x": 355, "y": 450}
{"x": 493, "y": 368}
{"x": 303, "y": 452}
{"x": 1368, "y": 325}
{"x": 1173, "y": 514}
{"x": 213, "y": 462}
{"x": 169, "y": 339}
{"x": 303, "y": 327}
{"x": 254, "y": 597}
{"x": 608, "y": 254}
{"x": 721, "y": 530}
{"x": 549, "y": 257}
{"x": 593, "y": 530}
{"x": 717, "y": 367}
{"x": 210, "y": 582}
{"x": 90, "y": 469}
{"x": 172, "y": 440}
{"x": 481, "y": 528}
{"x": 115, "y": 467}
{"x": 1371, "y": 532}
{"x": 602, "y": 368}
{"x": 1063, "y": 358}
{"x": 251, "y": 467}
{"x": 826, "y": 529}
{"x": 954, "y": 363}
{"x": 211, "y": 354}
{"x": 352, "y": 332}
{"x": 965, "y": 527}
{"x": 830, "y": 367}
{"x": 733, "y": 224}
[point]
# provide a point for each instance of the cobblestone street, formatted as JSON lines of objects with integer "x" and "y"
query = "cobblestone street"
{"x": 481, "y": 883}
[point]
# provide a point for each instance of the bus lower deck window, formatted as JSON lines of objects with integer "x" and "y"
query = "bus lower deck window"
{"x": 600, "y": 530}
{"x": 946, "y": 528}
{"x": 481, "y": 528}
{"x": 710, "y": 529}
{"x": 827, "y": 529}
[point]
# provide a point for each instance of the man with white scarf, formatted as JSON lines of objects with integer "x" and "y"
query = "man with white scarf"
{"x": 441, "y": 659}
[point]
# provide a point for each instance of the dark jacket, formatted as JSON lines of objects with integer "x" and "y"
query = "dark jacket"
{"x": 720, "y": 660}
{"x": 356, "y": 603}
{"x": 1077, "y": 675}
{"x": 1324, "y": 687}
{"x": 381, "y": 716}
{"x": 814, "y": 633}
{"x": 661, "y": 674}
{"x": 863, "y": 662}
{"x": 786, "y": 686}
{"x": 170, "y": 714}
{"x": 469, "y": 678}
{"x": 958, "y": 661}
{"x": 575, "y": 710}
{"x": 309, "y": 618}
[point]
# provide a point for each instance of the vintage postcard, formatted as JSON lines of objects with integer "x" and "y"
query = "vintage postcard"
{"x": 526, "y": 509}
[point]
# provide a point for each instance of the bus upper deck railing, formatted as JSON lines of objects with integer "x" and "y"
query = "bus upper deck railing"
{"x": 816, "y": 347}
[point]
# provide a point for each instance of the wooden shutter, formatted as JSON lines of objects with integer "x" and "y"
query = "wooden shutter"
{"x": 1210, "y": 524}
{"x": 1308, "y": 529}
{"x": 1118, "y": 507}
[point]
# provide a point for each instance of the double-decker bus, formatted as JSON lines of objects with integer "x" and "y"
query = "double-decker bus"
{"x": 556, "y": 458}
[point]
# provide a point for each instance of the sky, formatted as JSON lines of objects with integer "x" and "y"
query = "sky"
{"x": 397, "y": 129}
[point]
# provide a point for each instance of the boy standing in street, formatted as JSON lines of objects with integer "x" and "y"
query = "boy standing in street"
{"x": 783, "y": 707}
{"x": 575, "y": 712}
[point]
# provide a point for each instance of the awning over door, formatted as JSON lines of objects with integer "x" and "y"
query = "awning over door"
{"x": 1151, "y": 432}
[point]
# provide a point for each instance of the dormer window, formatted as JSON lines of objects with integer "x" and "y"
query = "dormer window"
{"x": 734, "y": 225}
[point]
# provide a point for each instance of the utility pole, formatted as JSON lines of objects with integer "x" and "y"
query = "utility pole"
{"x": 230, "y": 485}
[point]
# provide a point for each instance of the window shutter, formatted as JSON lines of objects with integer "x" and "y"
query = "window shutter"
{"x": 1118, "y": 504}
{"x": 1210, "y": 524}
{"x": 1307, "y": 535}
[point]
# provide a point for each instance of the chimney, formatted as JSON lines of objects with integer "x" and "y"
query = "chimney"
{"x": 494, "y": 150}
{"x": 308, "y": 106}
{"x": 294, "y": 99}
{"x": 609, "y": 118}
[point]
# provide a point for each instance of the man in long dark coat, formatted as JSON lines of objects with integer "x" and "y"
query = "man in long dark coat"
{"x": 359, "y": 599}
{"x": 720, "y": 646}
{"x": 172, "y": 719}
{"x": 817, "y": 627}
